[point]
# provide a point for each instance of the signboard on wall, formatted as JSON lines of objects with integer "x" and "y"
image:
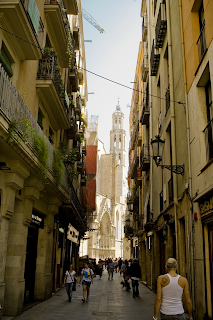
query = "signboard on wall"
{"x": 72, "y": 234}
{"x": 37, "y": 220}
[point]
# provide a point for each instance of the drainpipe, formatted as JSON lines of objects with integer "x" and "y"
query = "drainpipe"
{"x": 172, "y": 107}
{"x": 150, "y": 123}
{"x": 0, "y": 312}
{"x": 191, "y": 262}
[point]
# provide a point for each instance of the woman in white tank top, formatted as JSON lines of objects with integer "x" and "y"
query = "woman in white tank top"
{"x": 170, "y": 288}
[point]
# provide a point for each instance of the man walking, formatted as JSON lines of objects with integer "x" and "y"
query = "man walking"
{"x": 135, "y": 273}
{"x": 111, "y": 267}
{"x": 170, "y": 288}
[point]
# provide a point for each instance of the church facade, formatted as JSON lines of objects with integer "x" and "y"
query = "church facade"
{"x": 107, "y": 226}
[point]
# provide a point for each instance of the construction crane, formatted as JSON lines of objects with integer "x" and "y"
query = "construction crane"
{"x": 91, "y": 20}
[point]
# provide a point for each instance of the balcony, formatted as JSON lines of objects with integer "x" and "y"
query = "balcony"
{"x": 73, "y": 211}
{"x": 76, "y": 32}
{"x": 154, "y": 61}
{"x": 144, "y": 29}
{"x": 71, "y": 6}
{"x": 80, "y": 76}
{"x": 25, "y": 23}
{"x": 201, "y": 42}
{"x": 133, "y": 166}
{"x": 58, "y": 29}
{"x": 161, "y": 26}
{"x": 50, "y": 90}
{"x": 78, "y": 106}
{"x": 145, "y": 158}
{"x": 145, "y": 68}
{"x": 13, "y": 107}
{"x": 73, "y": 77}
{"x": 145, "y": 112}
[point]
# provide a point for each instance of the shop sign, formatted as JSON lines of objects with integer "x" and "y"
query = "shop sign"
{"x": 37, "y": 220}
{"x": 206, "y": 206}
{"x": 72, "y": 234}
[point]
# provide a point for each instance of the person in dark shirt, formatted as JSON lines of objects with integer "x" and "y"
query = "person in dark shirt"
{"x": 135, "y": 273}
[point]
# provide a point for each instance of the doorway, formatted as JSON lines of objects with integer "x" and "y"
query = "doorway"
{"x": 30, "y": 263}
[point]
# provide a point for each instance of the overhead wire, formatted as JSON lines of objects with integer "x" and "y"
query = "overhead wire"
{"x": 95, "y": 74}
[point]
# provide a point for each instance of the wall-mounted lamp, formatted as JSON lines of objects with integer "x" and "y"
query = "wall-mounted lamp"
{"x": 3, "y": 166}
{"x": 130, "y": 205}
{"x": 157, "y": 149}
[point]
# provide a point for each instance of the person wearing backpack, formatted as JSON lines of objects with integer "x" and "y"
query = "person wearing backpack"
{"x": 69, "y": 280}
{"x": 87, "y": 276}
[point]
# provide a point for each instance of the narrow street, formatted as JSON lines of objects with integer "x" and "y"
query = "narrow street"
{"x": 107, "y": 301}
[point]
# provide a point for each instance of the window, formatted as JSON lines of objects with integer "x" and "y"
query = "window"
{"x": 6, "y": 60}
{"x": 119, "y": 124}
{"x": 161, "y": 201}
{"x": 120, "y": 142}
{"x": 40, "y": 118}
{"x": 115, "y": 124}
{"x": 201, "y": 42}
{"x": 115, "y": 142}
{"x": 209, "y": 128}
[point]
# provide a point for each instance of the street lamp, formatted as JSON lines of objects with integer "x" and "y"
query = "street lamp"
{"x": 157, "y": 151}
{"x": 130, "y": 205}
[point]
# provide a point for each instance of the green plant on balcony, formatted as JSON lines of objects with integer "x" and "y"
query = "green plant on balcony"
{"x": 69, "y": 162}
{"x": 21, "y": 130}
{"x": 63, "y": 148}
{"x": 49, "y": 69}
{"x": 41, "y": 149}
{"x": 58, "y": 166}
{"x": 80, "y": 137}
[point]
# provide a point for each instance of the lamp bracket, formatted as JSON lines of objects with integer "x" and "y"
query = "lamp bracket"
{"x": 174, "y": 168}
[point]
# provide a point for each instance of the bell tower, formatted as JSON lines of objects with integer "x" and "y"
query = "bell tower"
{"x": 117, "y": 149}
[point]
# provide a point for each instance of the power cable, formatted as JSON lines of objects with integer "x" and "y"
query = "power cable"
{"x": 95, "y": 74}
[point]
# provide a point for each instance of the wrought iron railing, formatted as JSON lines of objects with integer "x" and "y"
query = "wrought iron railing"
{"x": 209, "y": 140}
{"x": 161, "y": 26}
{"x": 34, "y": 20}
{"x": 75, "y": 201}
{"x": 48, "y": 70}
{"x": 154, "y": 61}
{"x": 144, "y": 29}
{"x": 12, "y": 107}
{"x": 201, "y": 42}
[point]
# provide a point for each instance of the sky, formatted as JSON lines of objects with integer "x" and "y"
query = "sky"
{"x": 113, "y": 55}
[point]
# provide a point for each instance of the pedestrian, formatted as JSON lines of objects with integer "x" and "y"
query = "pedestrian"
{"x": 126, "y": 275}
{"x": 69, "y": 280}
{"x": 120, "y": 264}
{"x": 100, "y": 268}
{"x": 135, "y": 273}
{"x": 87, "y": 274}
{"x": 111, "y": 267}
{"x": 170, "y": 289}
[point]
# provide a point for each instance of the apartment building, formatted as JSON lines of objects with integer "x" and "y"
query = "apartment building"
{"x": 176, "y": 120}
{"x": 42, "y": 149}
{"x": 197, "y": 48}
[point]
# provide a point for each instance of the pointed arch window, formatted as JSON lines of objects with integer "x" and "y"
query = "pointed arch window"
{"x": 119, "y": 142}
{"x": 115, "y": 142}
{"x": 116, "y": 124}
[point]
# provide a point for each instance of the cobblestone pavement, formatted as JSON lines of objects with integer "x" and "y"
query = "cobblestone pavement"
{"x": 107, "y": 301}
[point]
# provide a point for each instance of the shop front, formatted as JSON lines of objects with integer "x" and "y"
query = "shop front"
{"x": 37, "y": 222}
